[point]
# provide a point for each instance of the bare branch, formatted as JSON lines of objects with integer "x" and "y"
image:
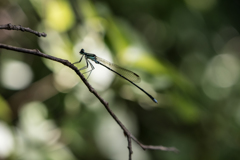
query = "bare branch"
{"x": 14, "y": 27}
{"x": 36, "y": 52}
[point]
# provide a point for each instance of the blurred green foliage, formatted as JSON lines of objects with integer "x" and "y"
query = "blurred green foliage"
{"x": 187, "y": 53}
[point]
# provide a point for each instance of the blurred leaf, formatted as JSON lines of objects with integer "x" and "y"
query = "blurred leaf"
{"x": 5, "y": 112}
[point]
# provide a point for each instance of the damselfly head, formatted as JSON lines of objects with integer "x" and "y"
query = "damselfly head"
{"x": 82, "y": 51}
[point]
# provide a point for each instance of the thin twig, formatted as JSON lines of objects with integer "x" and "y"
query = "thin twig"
{"x": 70, "y": 65}
{"x": 129, "y": 147}
{"x": 15, "y": 27}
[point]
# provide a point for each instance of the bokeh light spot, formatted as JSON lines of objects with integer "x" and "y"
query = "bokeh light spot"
{"x": 6, "y": 140}
{"x": 221, "y": 74}
{"x": 16, "y": 75}
{"x": 59, "y": 15}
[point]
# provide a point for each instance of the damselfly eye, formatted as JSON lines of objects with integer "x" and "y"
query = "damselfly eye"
{"x": 82, "y": 51}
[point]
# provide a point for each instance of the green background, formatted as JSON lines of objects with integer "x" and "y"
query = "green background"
{"x": 186, "y": 52}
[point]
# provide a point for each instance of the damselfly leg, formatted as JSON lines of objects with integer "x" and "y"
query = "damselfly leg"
{"x": 85, "y": 67}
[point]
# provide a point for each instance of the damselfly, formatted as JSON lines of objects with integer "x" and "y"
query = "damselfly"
{"x": 122, "y": 72}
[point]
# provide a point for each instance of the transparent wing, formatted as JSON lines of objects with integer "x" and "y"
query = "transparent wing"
{"x": 124, "y": 72}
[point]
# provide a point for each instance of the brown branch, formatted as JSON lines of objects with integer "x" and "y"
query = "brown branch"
{"x": 14, "y": 27}
{"x": 105, "y": 104}
{"x": 70, "y": 65}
